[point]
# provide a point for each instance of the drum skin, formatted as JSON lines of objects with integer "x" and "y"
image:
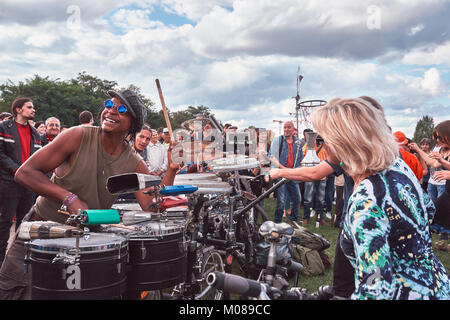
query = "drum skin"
{"x": 156, "y": 262}
{"x": 100, "y": 274}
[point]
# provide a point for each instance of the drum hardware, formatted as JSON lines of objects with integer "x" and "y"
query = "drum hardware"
{"x": 131, "y": 182}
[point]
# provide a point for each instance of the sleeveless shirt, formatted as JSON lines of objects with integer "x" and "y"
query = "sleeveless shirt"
{"x": 88, "y": 175}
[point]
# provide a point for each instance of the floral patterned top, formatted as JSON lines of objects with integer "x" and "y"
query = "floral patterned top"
{"x": 386, "y": 236}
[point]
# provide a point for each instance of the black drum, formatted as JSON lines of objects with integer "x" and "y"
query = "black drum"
{"x": 157, "y": 255}
{"x": 99, "y": 273}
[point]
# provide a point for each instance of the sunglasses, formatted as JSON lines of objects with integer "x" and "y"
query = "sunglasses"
{"x": 120, "y": 109}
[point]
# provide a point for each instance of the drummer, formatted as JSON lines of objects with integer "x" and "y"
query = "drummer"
{"x": 83, "y": 158}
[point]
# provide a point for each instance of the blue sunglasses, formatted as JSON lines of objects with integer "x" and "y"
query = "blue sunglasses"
{"x": 120, "y": 109}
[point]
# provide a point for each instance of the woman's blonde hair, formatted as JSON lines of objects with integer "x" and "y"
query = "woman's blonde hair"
{"x": 357, "y": 133}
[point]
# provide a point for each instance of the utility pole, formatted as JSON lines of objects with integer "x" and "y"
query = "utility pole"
{"x": 280, "y": 123}
{"x": 297, "y": 97}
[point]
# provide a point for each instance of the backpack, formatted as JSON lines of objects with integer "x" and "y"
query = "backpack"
{"x": 309, "y": 250}
{"x": 310, "y": 259}
{"x": 310, "y": 240}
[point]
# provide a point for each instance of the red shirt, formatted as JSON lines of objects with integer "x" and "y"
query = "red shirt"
{"x": 49, "y": 139}
{"x": 290, "y": 158}
{"x": 25, "y": 140}
{"x": 412, "y": 161}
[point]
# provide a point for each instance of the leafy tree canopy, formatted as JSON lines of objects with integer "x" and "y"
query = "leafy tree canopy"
{"x": 424, "y": 129}
{"x": 67, "y": 99}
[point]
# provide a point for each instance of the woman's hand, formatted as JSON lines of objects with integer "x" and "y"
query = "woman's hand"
{"x": 275, "y": 173}
{"x": 442, "y": 175}
{"x": 436, "y": 156}
{"x": 414, "y": 146}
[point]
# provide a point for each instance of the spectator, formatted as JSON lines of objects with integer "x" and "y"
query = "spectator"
{"x": 435, "y": 188}
{"x": 166, "y": 137}
{"x": 441, "y": 222}
{"x": 157, "y": 156}
{"x": 314, "y": 201}
{"x": 64, "y": 128}
{"x": 343, "y": 272}
{"x": 142, "y": 140}
{"x": 40, "y": 127}
{"x": 386, "y": 233}
{"x": 425, "y": 146}
{"x": 52, "y": 129}
{"x": 160, "y": 133}
{"x": 18, "y": 141}
{"x": 410, "y": 159}
{"x": 285, "y": 153}
{"x": 86, "y": 118}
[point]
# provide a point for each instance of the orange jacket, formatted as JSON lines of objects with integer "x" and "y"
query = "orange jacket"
{"x": 412, "y": 161}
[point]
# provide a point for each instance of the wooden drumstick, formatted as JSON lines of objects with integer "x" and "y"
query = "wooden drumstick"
{"x": 163, "y": 104}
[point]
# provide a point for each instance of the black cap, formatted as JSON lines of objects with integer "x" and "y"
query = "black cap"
{"x": 131, "y": 100}
{"x": 134, "y": 104}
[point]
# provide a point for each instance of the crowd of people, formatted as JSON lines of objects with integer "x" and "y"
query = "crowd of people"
{"x": 389, "y": 193}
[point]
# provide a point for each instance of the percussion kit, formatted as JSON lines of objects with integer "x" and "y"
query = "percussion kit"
{"x": 123, "y": 251}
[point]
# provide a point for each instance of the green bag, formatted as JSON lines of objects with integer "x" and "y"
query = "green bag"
{"x": 310, "y": 259}
{"x": 308, "y": 239}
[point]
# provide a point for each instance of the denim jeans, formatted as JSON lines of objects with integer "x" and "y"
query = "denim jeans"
{"x": 329, "y": 192}
{"x": 293, "y": 190}
{"x": 314, "y": 190}
{"x": 435, "y": 191}
{"x": 287, "y": 201}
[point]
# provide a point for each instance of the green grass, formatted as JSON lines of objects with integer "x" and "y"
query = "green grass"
{"x": 312, "y": 283}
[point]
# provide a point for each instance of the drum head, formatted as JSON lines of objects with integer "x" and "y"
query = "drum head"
{"x": 95, "y": 242}
{"x": 156, "y": 229}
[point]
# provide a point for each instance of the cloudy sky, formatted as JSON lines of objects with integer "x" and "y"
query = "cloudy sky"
{"x": 241, "y": 57}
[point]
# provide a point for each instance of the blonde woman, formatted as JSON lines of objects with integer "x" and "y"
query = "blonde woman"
{"x": 386, "y": 233}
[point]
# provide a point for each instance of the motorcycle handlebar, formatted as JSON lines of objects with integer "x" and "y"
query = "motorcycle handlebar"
{"x": 235, "y": 284}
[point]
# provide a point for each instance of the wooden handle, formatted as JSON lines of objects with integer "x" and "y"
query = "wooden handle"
{"x": 163, "y": 104}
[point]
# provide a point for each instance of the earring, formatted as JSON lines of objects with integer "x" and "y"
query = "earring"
{"x": 341, "y": 164}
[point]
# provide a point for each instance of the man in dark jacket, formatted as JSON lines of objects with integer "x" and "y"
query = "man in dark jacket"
{"x": 18, "y": 141}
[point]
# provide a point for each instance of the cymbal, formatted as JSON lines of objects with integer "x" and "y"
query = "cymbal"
{"x": 190, "y": 124}
{"x": 192, "y": 151}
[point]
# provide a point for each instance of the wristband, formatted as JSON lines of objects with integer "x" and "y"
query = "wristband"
{"x": 69, "y": 199}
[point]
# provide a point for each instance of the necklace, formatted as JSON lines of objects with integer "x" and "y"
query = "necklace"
{"x": 110, "y": 161}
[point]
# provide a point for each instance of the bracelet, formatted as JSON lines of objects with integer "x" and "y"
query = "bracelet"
{"x": 69, "y": 199}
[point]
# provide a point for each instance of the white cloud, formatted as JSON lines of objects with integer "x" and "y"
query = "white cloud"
{"x": 432, "y": 82}
{"x": 436, "y": 54}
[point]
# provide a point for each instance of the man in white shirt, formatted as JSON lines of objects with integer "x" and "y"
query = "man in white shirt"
{"x": 156, "y": 155}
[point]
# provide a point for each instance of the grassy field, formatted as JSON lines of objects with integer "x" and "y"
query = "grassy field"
{"x": 331, "y": 233}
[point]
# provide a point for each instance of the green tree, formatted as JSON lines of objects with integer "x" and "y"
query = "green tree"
{"x": 66, "y": 99}
{"x": 424, "y": 129}
{"x": 199, "y": 110}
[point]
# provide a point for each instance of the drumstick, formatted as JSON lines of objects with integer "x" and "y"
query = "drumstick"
{"x": 113, "y": 225}
{"x": 163, "y": 104}
{"x": 179, "y": 170}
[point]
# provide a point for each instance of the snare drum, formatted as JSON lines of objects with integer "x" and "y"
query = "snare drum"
{"x": 99, "y": 273}
{"x": 157, "y": 255}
